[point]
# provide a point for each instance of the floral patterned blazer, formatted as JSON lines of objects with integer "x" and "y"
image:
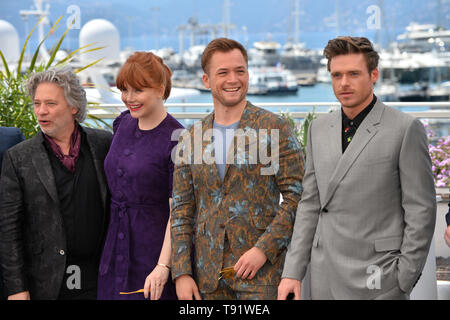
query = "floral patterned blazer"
{"x": 245, "y": 208}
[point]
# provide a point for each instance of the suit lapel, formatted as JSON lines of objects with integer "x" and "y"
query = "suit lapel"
{"x": 93, "y": 143}
{"x": 43, "y": 167}
{"x": 366, "y": 131}
{"x": 245, "y": 122}
{"x": 334, "y": 137}
{"x": 208, "y": 150}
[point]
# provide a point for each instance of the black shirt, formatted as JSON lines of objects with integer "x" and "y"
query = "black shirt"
{"x": 349, "y": 126}
{"x": 82, "y": 214}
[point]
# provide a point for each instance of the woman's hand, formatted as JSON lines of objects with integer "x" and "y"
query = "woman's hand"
{"x": 155, "y": 281}
{"x": 24, "y": 295}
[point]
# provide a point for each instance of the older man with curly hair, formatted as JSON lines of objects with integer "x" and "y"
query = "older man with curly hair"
{"x": 53, "y": 197}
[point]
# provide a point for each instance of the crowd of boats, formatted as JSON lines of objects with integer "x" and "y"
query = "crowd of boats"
{"x": 416, "y": 67}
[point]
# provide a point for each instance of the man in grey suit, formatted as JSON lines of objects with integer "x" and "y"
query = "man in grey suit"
{"x": 368, "y": 209}
{"x": 53, "y": 197}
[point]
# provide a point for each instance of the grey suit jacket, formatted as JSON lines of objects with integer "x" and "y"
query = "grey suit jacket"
{"x": 32, "y": 236}
{"x": 366, "y": 218}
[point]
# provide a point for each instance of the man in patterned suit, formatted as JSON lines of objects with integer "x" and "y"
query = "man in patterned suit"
{"x": 226, "y": 199}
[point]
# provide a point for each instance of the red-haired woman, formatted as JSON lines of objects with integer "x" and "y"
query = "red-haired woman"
{"x": 139, "y": 172}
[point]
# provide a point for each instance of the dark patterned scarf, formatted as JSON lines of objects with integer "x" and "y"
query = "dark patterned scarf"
{"x": 70, "y": 160}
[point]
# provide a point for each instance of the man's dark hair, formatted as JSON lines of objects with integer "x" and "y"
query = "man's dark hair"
{"x": 350, "y": 45}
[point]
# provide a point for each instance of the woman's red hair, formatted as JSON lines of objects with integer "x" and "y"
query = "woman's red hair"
{"x": 145, "y": 70}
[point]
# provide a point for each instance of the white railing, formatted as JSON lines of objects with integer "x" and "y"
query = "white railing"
{"x": 437, "y": 110}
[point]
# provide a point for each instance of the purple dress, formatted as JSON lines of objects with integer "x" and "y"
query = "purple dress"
{"x": 139, "y": 172}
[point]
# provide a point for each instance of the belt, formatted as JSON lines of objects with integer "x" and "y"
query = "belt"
{"x": 122, "y": 242}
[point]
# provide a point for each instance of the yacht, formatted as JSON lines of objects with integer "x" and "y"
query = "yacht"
{"x": 302, "y": 62}
{"x": 270, "y": 80}
{"x": 441, "y": 92}
{"x": 170, "y": 57}
{"x": 192, "y": 57}
{"x": 386, "y": 91}
{"x": 424, "y": 38}
{"x": 323, "y": 75}
{"x": 295, "y": 56}
{"x": 413, "y": 74}
{"x": 264, "y": 54}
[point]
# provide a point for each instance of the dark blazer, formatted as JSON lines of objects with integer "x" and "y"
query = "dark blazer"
{"x": 32, "y": 236}
{"x": 9, "y": 136}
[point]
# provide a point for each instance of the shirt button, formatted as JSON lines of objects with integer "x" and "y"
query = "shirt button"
{"x": 121, "y": 236}
{"x": 61, "y": 252}
{"x": 119, "y": 258}
{"x": 119, "y": 172}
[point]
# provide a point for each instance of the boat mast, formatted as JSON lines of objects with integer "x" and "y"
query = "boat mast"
{"x": 297, "y": 21}
{"x": 439, "y": 26}
{"x": 207, "y": 30}
{"x": 39, "y": 13}
{"x": 155, "y": 11}
{"x": 226, "y": 20}
{"x": 338, "y": 27}
{"x": 294, "y": 9}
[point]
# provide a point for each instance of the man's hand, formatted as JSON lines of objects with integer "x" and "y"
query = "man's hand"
{"x": 287, "y": 286}
{"x": 447, "y": 236}
{"x": 249, "y": 263}
{"x": 187, "y": 288}
{"x": 24, "y": 295}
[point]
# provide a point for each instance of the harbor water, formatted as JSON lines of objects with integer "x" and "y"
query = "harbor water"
{"x": 320, "y": 92}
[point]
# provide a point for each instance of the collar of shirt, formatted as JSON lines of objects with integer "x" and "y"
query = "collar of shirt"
{"x": 355, "y": 122}
{"x": 70, "y": 160}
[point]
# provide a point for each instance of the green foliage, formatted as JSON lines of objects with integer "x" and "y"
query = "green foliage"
{"x": 301, "y": 130}
{"x": 16, "y": 107}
